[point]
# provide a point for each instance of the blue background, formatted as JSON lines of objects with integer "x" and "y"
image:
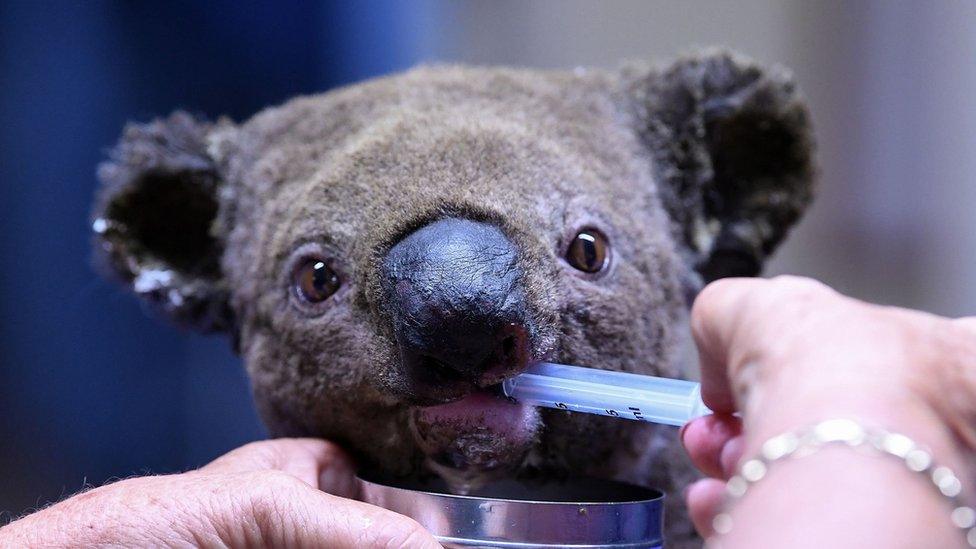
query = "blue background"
{"x": 91, "y": 387}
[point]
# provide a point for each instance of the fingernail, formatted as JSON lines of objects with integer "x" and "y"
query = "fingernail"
{"x": 731, "y": 454}
{"x": 683, "y": 430}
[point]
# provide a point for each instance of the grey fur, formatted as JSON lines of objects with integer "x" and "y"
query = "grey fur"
{"x": 694, "y": 171}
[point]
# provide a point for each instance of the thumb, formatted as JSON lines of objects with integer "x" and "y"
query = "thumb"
{"x": 289, "y": 513}
{"x": 716, "y": 317}
{"x": 738, "y": 323}
{"x": 290, "y": 508}
{"x": 317, "y": 463}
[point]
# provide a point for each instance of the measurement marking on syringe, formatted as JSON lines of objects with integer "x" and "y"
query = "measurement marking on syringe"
{"x": 588, "y": 390}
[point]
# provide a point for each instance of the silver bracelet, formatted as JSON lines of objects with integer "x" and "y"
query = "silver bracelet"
{"x": 848, "y": 432}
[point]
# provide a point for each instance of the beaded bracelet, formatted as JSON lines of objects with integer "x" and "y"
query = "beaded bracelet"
{"x": 848, "y": 432}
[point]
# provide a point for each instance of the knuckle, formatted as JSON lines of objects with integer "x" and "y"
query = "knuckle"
{"x": 258, "y": 453}
{"x": 724, "y": 302}
{"x": 316, "y": 449}
{"x": 274, "y": 482}
{"x": 715, "y": 290}
{"x": 794, "y": 297}
{"x": 272, "y": 498}
{"x": 273, "y": 453}
{"x": 711, "y": 300}
{"x": 264, "y": 450}
{"x": 267, "y": 491}
{"x": 799, "y": 287}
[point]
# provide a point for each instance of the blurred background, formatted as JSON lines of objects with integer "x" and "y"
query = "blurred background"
{"x": 92, "y": 388}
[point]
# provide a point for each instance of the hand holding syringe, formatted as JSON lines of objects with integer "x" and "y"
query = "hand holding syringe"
{"x": 616, "y": 394}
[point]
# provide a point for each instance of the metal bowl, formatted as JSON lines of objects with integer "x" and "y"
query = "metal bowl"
{"x": 579, "y": 513}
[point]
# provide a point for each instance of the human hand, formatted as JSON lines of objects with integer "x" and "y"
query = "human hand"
{"x": 789, "y": 352}
{"x": 265, "y": 494}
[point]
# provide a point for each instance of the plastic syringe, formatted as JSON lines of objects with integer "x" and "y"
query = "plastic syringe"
{"x": 616, "y": 394}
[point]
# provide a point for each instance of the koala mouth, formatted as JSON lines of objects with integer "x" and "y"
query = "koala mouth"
{"x": 480, "y": 437}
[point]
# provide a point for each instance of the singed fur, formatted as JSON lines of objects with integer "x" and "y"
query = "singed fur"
{"x": 694, "y": 171}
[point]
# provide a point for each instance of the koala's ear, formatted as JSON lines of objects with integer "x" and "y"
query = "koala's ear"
{"x": 733, "y": 151}
{"x": 155, "y": 219}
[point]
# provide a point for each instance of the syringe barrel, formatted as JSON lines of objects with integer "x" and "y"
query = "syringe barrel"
{"x": 617, "y": 394}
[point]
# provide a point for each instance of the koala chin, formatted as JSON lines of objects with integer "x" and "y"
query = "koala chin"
{"x": 384, "y": 255}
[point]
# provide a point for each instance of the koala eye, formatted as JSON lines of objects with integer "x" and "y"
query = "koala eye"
{"x": 314, "y": 281}
{"x": 588, "y": 251}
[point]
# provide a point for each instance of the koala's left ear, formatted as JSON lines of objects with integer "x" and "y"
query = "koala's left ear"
{"x": 155, "y": 219}
{"x": 733, "y": 151}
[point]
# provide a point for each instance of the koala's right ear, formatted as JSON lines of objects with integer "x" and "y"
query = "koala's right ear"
{"x": 155, "y": 219}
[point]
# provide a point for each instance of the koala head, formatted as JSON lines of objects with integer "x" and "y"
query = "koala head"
{"x": 385, "y": 254}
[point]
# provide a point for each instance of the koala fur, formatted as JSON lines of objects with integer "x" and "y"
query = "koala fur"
{"x": 693, "y": 172}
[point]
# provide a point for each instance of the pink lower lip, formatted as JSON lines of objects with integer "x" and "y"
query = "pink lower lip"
{"x": 479, "y": 412}
{"x": 475, "y": 438}
{"x": 480, "y": 404}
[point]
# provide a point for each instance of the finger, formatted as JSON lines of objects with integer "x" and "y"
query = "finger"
{"x": 705, "y": 499}
{"x": 705, "y": 439}
{"x": 731, "y": 455}
{"x": 741, "y": 323}
{"x": 315, "y": 462}
{"x": 303, "y": 517}
{"x": 715, "y": 315}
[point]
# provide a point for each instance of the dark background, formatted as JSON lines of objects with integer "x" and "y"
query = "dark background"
{"x": 93, "y": 387}
{"x": 90, "y": 388}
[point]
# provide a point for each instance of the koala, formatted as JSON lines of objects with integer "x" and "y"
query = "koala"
{"x": 384, "y": 255}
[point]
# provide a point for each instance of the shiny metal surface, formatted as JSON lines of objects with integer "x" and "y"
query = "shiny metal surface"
{"x": 606, "y": 514}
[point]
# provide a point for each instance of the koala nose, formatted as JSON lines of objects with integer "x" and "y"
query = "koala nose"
{"x": 453, "y": 291}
